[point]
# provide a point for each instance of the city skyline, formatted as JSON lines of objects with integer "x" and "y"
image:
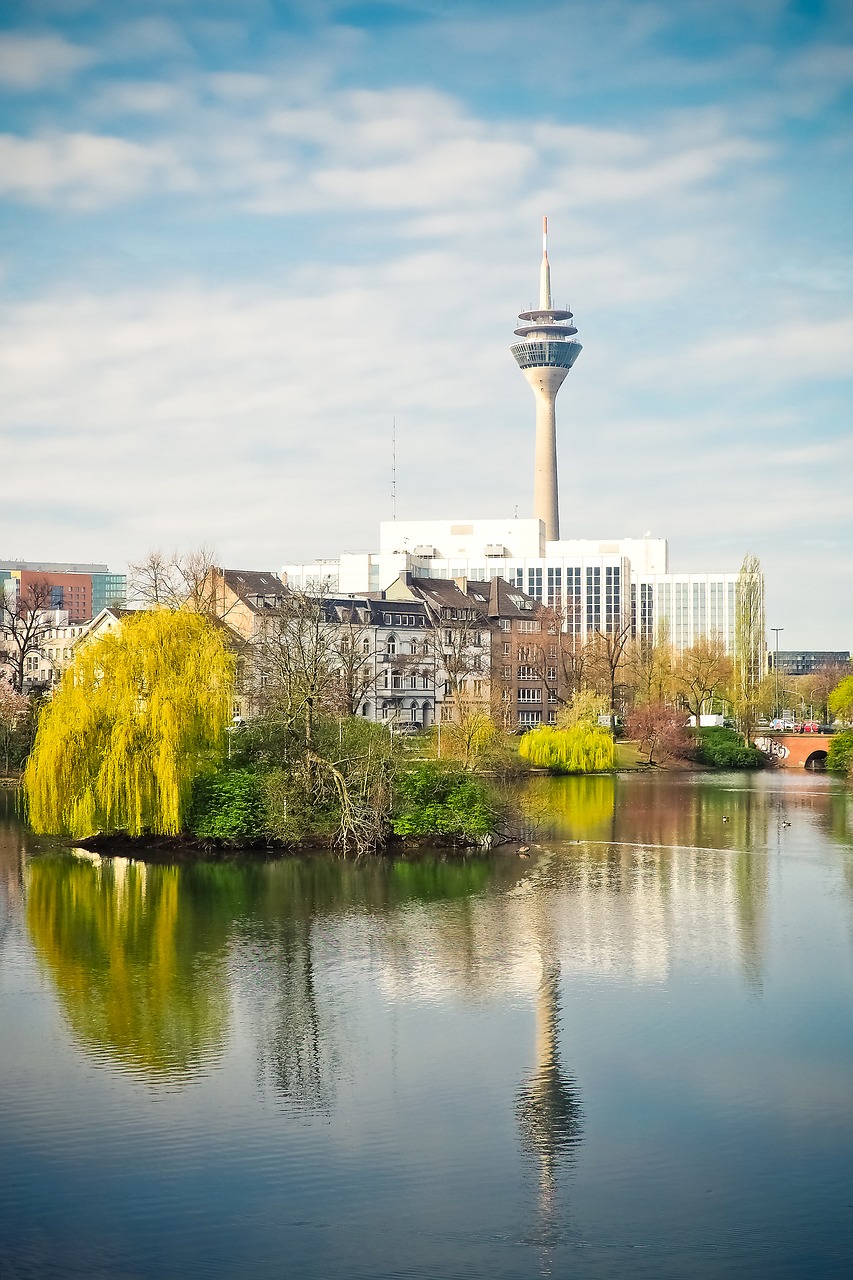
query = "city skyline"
{"x": 240, "y": 241}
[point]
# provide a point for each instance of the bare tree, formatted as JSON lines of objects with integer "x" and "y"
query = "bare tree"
{"x": 658, "y": 730}
{"x": 24, "y": 622}
{"x": 461, "y": 646}
{"x": 702, "y": 673}
{"x": 649, "y": 668}
{"x": 352, "y": 651}
{"x": 176, "y": 581}
{"x": 605, "y": 662}
{"x": 563, "y": 659}
{"x": 295, "y": 661}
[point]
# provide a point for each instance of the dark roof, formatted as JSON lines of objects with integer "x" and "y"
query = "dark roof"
{"x": 496, "y": 598}
{"x": 367, "y": 610}
{"x": 251, "y": 582}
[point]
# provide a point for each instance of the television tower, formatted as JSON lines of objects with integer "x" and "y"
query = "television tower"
{"x": 545, "y": 356}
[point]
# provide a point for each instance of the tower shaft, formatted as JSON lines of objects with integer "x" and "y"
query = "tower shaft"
{"x": 545, "y": 355}
{"x": 546, "y": 506}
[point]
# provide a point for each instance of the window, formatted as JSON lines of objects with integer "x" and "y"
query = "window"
{"x": 527, "y": 673}
{"x": 551, "y": 673}
{"x": 555, "y": 587}
{"x": 528, "y": 719}
{"x": 391, "y": 644}
{"x": 612, "y": 598}
{"x": 507, "y": 649}
{"x": 448, "y": 637}
{"x": 530, "y": 695}
{"x": 552, "y": 651}
{"x": 593, "y": 599}
{"x": 413, "y": 681}
{"x": 506, "y": 673}
{"x": 446, "y": 712}
{"x": 478, "y": 688}
{"x": 506, "y": 624}
{"x": 506, "y": 695}
{"x": 396, "y": 680}
{"x": 366, "y": 646}
{"x": 424, "y": 680}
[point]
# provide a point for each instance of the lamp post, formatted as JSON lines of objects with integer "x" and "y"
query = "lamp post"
{"x": 776, "y": 630}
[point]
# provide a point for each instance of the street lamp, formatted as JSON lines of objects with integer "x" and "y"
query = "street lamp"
{"x": 776, "y": 667}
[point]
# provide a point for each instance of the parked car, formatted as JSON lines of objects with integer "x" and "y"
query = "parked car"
{"x": 810, "y": 726}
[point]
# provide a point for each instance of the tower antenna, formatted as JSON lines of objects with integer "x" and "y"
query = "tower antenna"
{"x": 393, "y": 468}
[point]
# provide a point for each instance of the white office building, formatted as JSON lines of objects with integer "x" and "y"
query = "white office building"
{"x": 596, "y": 585}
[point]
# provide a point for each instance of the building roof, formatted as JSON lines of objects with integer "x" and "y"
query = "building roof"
{"x": 253, "y": 582}
{"x": 493, "y": 599}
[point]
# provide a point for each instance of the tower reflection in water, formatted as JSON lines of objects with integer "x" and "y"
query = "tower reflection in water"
{"x": 548, "y": 1110}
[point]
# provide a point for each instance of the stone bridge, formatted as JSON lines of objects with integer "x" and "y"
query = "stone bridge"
{"x": 794, "y": 750}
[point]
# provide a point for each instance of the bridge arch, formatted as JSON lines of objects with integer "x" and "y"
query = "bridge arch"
{"x": 816, "y": 762}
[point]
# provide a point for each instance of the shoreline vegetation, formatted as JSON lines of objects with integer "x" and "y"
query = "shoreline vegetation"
{"x": 136, "y": 751}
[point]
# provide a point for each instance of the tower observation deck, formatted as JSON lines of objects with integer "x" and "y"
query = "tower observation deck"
{"x": 545, "y": 355}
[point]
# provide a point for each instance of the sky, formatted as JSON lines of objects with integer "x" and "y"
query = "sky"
{"x": 239, "y": 240}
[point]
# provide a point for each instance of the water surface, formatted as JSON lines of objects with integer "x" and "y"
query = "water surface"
{"x": 630, "y": 1055}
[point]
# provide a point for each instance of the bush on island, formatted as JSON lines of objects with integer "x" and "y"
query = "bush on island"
{"x": 725, "y": 749}
{"x": 440, "y": 798}
{"x": 228, "y": 806}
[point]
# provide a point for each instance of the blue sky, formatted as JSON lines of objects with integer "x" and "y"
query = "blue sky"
{"x": 239, "y": 239}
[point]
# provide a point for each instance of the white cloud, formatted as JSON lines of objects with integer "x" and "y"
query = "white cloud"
{"x": 30, "y": 62}
{"x": 82, "y": 170}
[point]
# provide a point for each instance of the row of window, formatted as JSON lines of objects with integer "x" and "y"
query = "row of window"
{"x": 416, "y": 680}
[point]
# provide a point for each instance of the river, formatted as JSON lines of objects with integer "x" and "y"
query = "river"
{"x": 627, "y": 1055}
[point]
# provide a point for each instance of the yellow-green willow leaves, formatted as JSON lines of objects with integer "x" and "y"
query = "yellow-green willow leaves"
{"x": 137, "y": 716}
{"x": 137, "y": 955}
{"x": 580, "y": 748}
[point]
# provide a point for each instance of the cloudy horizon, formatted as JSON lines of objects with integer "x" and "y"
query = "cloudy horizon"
{"x": 241, "y": 240}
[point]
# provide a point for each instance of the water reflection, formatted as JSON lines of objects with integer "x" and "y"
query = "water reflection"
{"x": 136, "y": 954}
{"x": 548, "y": 1108}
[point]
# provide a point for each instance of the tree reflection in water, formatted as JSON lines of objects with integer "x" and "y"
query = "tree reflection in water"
{"x": 300, "y": 1021}
{"x": 136, "y": 954}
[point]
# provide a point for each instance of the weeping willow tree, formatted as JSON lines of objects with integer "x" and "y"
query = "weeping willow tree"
{"x": 579, "y": 743}
{"x": 580, "y": 748}
{"x": 138, "y": 715}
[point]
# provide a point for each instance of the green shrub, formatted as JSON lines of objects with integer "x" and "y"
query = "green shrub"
{"x": 725, "y": 749}
{"x": 228, "y": 806}
{"x": 840, "y": 756}
{"x": 439, "y": 798}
